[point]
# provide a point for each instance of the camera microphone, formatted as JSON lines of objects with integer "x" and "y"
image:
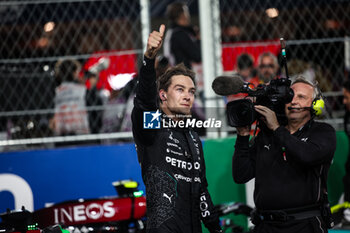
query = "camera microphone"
{"x": 228, "y": 85}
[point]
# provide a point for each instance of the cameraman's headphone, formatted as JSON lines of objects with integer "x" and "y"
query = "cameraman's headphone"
{"x": 318, "y": 104}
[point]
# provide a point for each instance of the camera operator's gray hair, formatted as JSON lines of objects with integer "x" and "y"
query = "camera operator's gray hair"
{"x": 302, "y": 79}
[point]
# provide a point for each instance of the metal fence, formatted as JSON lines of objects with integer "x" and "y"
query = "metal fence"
{"x": 316, "y": 34}
{"x": 36, "y": 35}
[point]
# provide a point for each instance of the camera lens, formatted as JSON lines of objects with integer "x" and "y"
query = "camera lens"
{"x": 240, "y": 112}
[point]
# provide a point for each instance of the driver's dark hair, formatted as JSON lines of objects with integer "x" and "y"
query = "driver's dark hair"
{"x": 164, "y": 81}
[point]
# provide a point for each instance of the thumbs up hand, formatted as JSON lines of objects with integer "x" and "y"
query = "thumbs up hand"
{"x": 154, "y": 42}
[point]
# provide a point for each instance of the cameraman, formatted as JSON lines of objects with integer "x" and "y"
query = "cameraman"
{"x": 290, "y": 165}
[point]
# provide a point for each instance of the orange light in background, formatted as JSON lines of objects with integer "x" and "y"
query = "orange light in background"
{"x": 272, "y": 12}
{"x": 332, "y": 24}
{"x": 42, "y": 42}
{"x": 233, "y": 31}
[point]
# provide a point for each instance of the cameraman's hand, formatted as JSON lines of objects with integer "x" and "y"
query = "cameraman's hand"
{"x": 243, "y": 131}
{"x": 154, "y": 42}
{"x": 269, "y": 118}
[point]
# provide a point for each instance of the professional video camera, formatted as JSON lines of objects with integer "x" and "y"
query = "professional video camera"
{"x": 241, "y": 112}
{"x": 273, "y": 95}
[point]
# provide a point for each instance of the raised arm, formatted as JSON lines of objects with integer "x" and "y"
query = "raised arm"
{"x": 146, "y": 90}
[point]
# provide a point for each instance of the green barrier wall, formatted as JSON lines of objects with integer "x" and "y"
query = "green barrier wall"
{"x": 218, "y": 157}
{"x": 337, "y": 170}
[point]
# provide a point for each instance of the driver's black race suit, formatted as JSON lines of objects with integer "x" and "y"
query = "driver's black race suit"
{"x": 173, "y": 168}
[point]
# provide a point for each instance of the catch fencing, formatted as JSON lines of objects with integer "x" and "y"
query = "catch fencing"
{"x": 35, "y": 35}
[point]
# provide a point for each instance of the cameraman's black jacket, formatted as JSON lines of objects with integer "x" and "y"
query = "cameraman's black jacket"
{"x": 290, "y": 170}
{"x": 173, "y": 168}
